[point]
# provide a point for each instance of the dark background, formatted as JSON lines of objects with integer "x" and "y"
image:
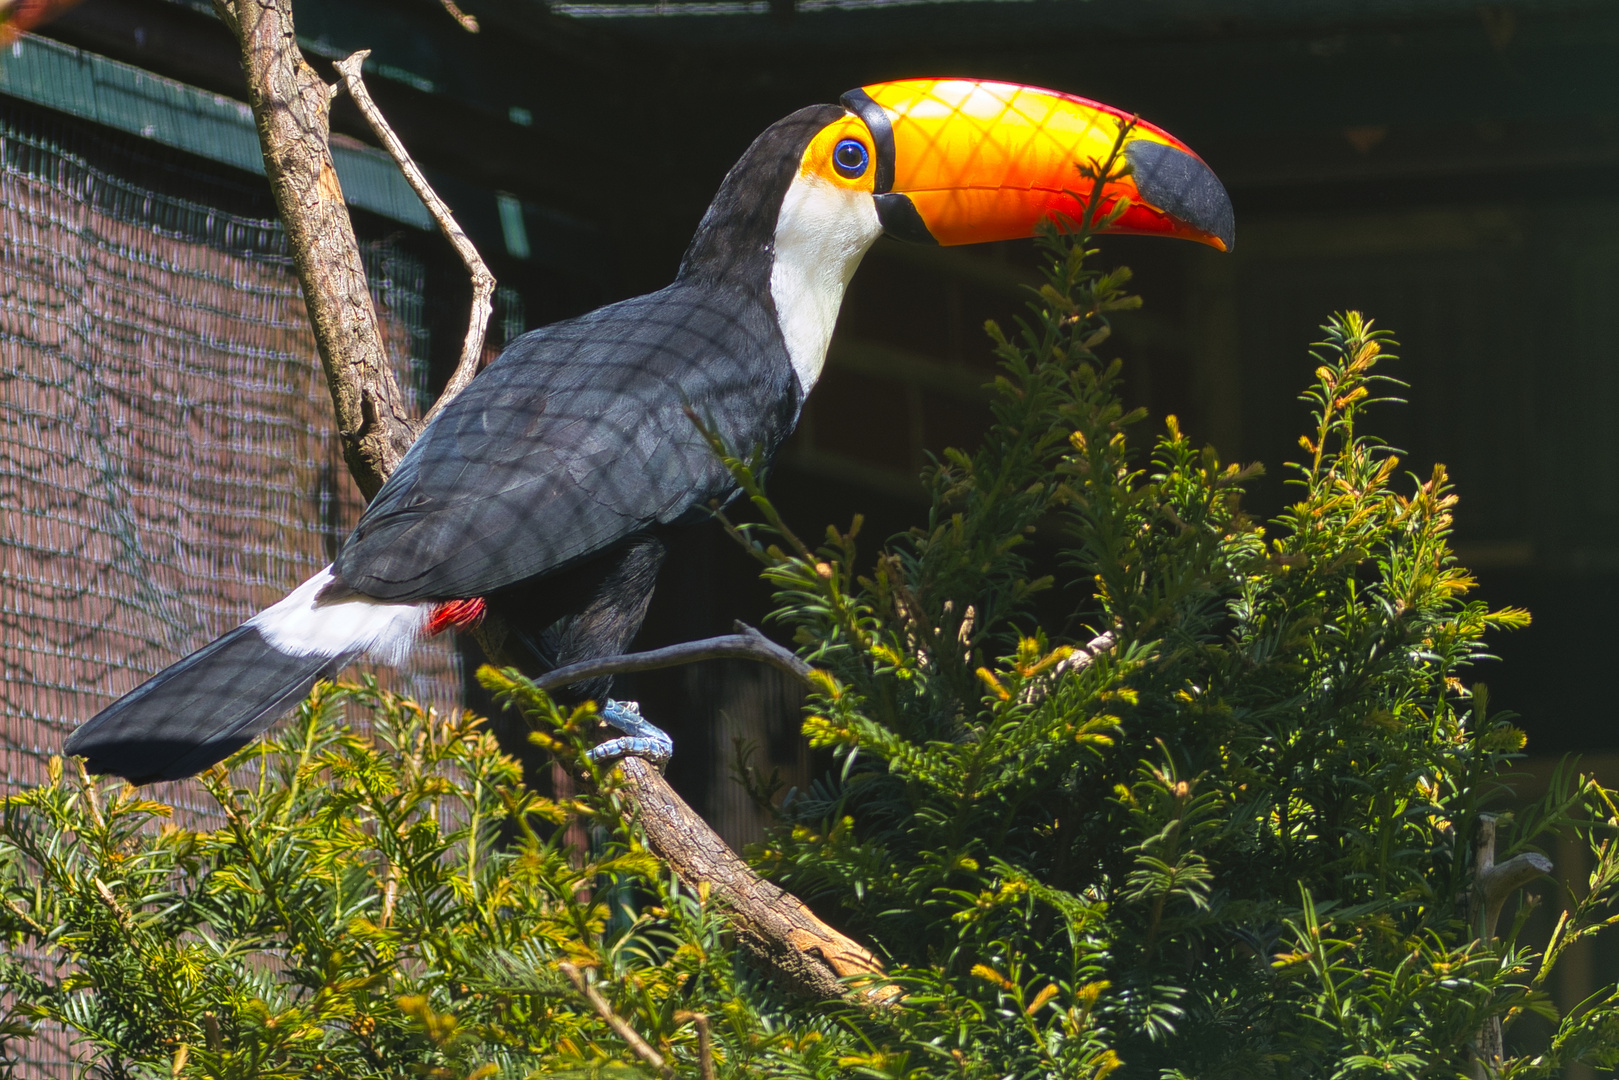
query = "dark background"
{"x": 1452, "y": 169}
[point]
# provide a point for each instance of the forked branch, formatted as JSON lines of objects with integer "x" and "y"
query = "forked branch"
{"x": 483, "y": 282}
{"x": 290, "y": 104}
{"x": 1493, "y": 882}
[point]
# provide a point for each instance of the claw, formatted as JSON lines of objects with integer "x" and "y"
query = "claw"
{"x": 642, "y": 740}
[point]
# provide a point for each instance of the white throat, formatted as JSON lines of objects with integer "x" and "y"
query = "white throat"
{"x": 821, "y": 234}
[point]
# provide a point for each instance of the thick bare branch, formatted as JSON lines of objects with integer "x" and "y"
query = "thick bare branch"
{"x": 483, "y": 282}
{"x": 775, "y": 926}
{"x": 290, "y": 104}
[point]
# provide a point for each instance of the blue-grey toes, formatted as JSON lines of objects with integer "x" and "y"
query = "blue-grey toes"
{"x": 642, "y": 740}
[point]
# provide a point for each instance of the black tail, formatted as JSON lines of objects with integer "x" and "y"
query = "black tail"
{"x": 199, "y": 711}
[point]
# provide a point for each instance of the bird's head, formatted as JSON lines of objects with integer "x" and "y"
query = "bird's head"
{"x": 937, "y": 161}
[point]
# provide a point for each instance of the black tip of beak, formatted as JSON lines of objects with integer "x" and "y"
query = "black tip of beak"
{"x": 1183, "y": 187}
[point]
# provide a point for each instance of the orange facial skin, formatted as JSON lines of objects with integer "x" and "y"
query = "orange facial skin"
{"x": 985, "y": 161}
{"x": 817, "y": 159}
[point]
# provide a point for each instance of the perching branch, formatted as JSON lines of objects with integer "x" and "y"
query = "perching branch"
{"x": 290, "y": 103}
{"x": 483, "y": 282}
{"x": 746, "y": 644}
{"x": 773, "y": 925}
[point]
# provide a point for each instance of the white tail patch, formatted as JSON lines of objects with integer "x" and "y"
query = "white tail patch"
{"x": 297, "y": 626}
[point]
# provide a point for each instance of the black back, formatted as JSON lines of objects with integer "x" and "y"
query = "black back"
{"x": 573, "y": 452}
{"x": 579, "y": 437}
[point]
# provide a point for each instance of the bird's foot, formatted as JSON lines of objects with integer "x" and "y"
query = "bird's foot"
{"x": 642, "y": 738}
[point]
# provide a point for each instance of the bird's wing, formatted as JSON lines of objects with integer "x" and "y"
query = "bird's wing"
{"x": 576, "y": 438}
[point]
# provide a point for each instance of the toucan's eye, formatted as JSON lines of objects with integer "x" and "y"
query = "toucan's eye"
{"x": 849, "y": 157}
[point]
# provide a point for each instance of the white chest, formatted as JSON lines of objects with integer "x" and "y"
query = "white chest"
{"x": 821, "y": 235}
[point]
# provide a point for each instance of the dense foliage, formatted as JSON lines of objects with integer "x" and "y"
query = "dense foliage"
{"x": 1229, "y": 837}
{"x": 1211, "y": 819}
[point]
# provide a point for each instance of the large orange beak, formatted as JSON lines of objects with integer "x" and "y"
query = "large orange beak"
{"x": 961, "y": 162}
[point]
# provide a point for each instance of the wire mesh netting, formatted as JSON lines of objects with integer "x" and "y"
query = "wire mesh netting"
{"x": 168, "y": 460}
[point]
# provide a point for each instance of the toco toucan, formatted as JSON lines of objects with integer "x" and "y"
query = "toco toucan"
{"x": 547, "y": 488}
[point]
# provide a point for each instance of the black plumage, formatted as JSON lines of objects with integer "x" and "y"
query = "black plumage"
{"x": 580, "y": 436}
{"x": 548, "y": 488}
{"x": 198, "y": 711}
{"x": 576, "y": 439}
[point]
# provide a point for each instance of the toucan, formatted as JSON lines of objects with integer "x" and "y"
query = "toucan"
{"x": 545, "y": 492}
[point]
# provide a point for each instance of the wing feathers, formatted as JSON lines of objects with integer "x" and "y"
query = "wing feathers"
{"x": 575, "y": 439}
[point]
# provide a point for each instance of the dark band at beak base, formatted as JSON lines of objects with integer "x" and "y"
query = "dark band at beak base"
{"x": 882, "y": 137}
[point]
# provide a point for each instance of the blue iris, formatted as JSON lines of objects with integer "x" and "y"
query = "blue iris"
{"x": 850, "y": 158}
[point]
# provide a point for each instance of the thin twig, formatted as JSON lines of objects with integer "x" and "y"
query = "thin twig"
{"x": 468, "y": 22}
{"x": 483, "y": 282}
{"x": 631, "y": 1037}
{"x": 18, "y": 913}
{"x": 746, "y": 644}
{"x": 91, "y": 802}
